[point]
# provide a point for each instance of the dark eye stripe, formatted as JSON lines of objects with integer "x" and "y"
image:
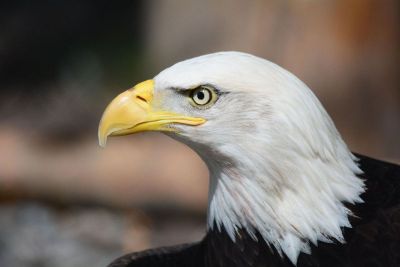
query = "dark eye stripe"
{"x": 188, "y": 91}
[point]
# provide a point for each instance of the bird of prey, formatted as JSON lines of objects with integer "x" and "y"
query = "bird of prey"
{"x": 285, "y": 190}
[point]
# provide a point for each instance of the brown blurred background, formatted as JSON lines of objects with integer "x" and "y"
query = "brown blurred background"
{"x": 66, "y": 202}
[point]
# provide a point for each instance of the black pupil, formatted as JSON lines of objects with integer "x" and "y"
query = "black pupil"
{"x": 200, "y": 95}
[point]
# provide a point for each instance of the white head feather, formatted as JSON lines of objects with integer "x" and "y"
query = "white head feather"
{"x": 277, "y": 163}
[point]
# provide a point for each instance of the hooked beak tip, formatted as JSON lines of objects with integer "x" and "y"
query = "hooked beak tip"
{"x": 102, "y": 139}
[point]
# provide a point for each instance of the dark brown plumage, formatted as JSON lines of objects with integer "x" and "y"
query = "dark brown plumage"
{"x": 373, "y": 240}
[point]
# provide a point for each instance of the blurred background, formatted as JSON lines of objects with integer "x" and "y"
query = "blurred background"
{"x": 66, "y": 202}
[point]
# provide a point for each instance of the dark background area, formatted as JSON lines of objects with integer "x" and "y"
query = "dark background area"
{"x": 41, "y": 40}
{"x": 66, "y": 202}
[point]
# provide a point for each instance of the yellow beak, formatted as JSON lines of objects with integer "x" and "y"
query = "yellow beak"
{"x": 131, "y": 112}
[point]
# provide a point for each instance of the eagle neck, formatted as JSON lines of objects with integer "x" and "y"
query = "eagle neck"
{"x": 287, "y": 215}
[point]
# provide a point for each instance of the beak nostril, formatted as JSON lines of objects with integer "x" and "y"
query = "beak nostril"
{"x": 141, "y": 98}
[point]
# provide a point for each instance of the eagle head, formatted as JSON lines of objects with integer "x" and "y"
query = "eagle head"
{"x": 278, "y": 166}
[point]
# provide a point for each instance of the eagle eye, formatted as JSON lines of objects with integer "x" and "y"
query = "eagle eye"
{"x": 203, "y": 95}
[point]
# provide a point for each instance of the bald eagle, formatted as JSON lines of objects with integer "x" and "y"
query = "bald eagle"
{"x": 284, "y": 188}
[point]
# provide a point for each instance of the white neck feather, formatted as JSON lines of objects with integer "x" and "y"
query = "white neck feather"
{"x": 291, "y": 199}
{"x": 288, "y": 215}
